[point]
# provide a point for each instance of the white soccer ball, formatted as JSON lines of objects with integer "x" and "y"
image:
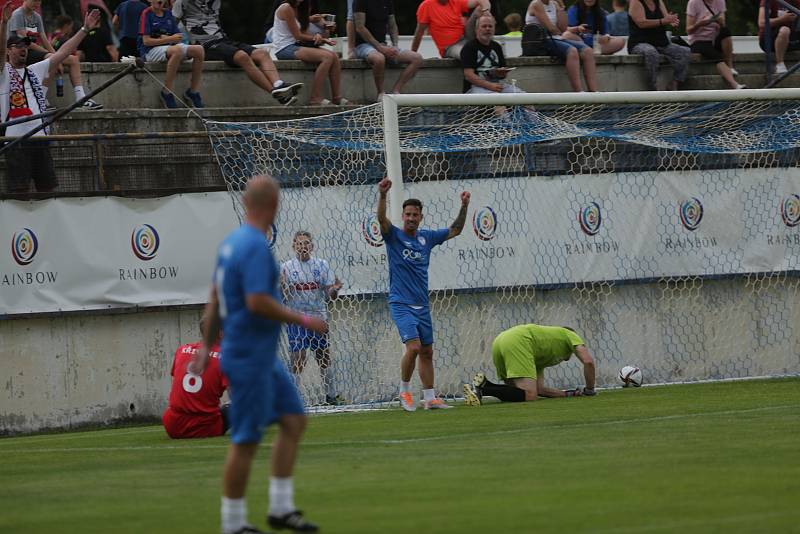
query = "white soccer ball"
{"x": 630, "y": 376}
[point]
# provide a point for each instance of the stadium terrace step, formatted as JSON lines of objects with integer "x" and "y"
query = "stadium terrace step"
{"x": 112, "y": 121}
{"x": 224, "y": 87}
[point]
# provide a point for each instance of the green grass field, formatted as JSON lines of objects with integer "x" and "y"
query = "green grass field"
{"x": 697, "y": 458}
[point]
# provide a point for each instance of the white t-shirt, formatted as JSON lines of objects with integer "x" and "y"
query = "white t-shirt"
{"x": 305, "y": 285}
{"x": 41, "y": 70}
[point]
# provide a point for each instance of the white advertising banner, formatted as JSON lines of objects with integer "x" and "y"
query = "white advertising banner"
{"x": 96, "y": 253}
{"x": 69, "y": 254}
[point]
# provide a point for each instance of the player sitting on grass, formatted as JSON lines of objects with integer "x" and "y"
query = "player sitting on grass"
{"x": 520, "y": 356}
{"x": 194, "y": 409}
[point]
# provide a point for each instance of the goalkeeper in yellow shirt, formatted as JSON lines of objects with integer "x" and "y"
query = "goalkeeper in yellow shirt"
{"x": 520, "y": 356}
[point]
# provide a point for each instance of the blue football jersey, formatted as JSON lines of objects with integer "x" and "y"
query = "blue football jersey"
{"x": 245, "y": 266}
{"x": 409, "y": 258}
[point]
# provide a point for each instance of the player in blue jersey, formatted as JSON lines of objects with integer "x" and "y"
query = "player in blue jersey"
{"x": 409, "y": 250}
{"x": 245, "y": 301}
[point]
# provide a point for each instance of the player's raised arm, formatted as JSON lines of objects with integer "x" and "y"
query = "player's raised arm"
{"x": 589, "y": 370}
{"x": 383, "y": 190}
{"x": 461, "y": 219}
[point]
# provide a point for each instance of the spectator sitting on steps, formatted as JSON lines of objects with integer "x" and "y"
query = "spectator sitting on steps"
{"x": 444, "y": 20}
{"x": 782, "y": 23}
{"x": 201, "y": 19}
{"x": 618, "y": 20}
{"x": 484, "y": 62}
{"x": 160, "y": 40}
{"x": 513, "y": 22}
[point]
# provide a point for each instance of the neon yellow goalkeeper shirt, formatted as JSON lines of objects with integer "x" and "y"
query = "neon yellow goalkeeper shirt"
{"x": 523, "y": 350}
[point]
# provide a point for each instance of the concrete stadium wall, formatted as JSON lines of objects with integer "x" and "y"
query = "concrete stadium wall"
{"x": 229, "y": 88}
{"x": 59, "y": 372}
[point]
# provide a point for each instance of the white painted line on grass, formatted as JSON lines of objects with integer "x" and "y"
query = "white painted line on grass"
{"x": 190, "y": 446}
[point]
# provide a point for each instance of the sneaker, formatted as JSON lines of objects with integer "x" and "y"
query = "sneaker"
{"x": 194, "y": 98}
{"x": 341, "y": 102}
{"x": 471, "y": 396}
{"x": 478, "y": 381}
{"x": 248, "y": 529}
{"x": 292, "y": 521}
{"x": 734, "y": 71}
{"x": 436, "y": 404}
{"x": 286, "y": 100}
{"x": 407, "y": 401}
{"x": 91, "y": 105}
{"x": 780, "y": 68}
{"x": 334, "y": 401}
{"x": 169, "y": 100}
{"x": 286, "y": 90}
{"x": 741, "y": 86}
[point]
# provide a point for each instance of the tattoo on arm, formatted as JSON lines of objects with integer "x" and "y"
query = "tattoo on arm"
{"x": 458, "y": 224}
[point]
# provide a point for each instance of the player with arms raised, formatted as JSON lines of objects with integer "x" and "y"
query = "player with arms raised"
{"x": 194, "y": 409}
{"x": 245, "y": 297}
{"x": 409, "y": 250}
{"x": 307, "y": 283}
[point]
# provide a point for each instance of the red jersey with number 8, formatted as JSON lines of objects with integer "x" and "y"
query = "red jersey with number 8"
{"x": 194, "y": 410}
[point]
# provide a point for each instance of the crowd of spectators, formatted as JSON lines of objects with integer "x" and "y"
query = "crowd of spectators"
{"x": 175, "y": 31}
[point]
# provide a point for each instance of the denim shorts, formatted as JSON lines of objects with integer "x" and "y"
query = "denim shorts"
{"x": 288, "y": 52}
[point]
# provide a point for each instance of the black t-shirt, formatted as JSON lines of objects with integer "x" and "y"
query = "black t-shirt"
{"x": 94, "y": 46}
{"x": 482, "y": 58}
{"x": 377, "y": 18}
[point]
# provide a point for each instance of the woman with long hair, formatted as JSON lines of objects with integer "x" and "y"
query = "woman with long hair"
{"x": 294, "y": 36}
{"x": 648, "y": 38}
{"x": 589, "y": 15}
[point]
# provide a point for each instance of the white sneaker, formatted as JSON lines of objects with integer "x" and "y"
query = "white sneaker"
{"x": 780, "y": 68}
{"x": 734, "y": 71}
{"x": 741, "y": 86}
{"x": 436, "y": 404}
{"x": 407, "y": 401}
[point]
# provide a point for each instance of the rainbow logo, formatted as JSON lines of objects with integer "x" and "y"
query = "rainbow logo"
{"x": 272, "y": 235}
{"x": 590, "y": 218}
{"x": 371, "y": 230}
{"x": 24, "y": 246}
{"x": 691, "y": 214}
{"x": 484, "y": 223}
{"x": 145, "y": 242}
{"x": 790, "y": 210}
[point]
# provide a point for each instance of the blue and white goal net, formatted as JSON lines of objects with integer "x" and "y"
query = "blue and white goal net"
{"x": 667, "y": 234}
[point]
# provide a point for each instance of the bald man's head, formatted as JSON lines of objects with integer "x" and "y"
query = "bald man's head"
{"x": 261, "y": 201}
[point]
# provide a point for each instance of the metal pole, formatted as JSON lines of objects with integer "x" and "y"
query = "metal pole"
{"x": 768, "y": 42}
{"x": 130, "y": 68}
{"x": 394, "y": 166}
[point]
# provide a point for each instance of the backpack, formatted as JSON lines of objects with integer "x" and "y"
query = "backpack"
{"x": 534, "y": 37}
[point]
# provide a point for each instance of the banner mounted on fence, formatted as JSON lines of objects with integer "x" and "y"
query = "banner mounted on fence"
{"x": 69, "y": 254}
{"x": 98, "y": 253}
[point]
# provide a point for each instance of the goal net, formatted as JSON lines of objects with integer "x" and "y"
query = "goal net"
{"x": 663, "y": 228}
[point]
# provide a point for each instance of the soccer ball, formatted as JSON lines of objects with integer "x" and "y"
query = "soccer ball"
{"x": 630, "y": 376}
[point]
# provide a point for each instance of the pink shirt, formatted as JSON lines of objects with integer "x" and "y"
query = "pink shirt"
{"x": 698, "y": 10}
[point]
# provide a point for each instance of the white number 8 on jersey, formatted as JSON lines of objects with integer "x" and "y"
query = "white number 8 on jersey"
{"x": 192, "y": 383}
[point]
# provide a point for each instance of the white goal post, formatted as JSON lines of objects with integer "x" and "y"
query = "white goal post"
{"x": 663, "y": 226}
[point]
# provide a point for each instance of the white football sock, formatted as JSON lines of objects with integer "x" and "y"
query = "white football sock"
{"x": 234, "y": 514}
{"x": 281, "y": 496}
{"x": 327, "y": 380}
{"x": 428, "y": 394}
{"x": 79, "y": 93}
{"x": 405, "y": 387}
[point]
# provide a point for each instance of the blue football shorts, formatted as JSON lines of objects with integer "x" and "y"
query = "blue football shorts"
{"x": 413, "y": 323}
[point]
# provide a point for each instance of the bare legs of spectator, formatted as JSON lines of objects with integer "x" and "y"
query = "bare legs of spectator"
{"x": 611, "y": 45}
{"x": 74, "y": 68}
{"x": 725, "y": 71}
{"x": 414, "y": 61}
{"x": 782, "y": 43}
{"x": 198, "y": 55}
{"x": 174, "y": 58}
{"x": 574, "y": 70}
{"x": 589, "y": 69}
{"x": 727, "y": 51}
{"x": 328, "y": 66}
{"x": 259, "y": 68}
{"x": 377, "y": 61}
{"x": 351, "y": 40}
